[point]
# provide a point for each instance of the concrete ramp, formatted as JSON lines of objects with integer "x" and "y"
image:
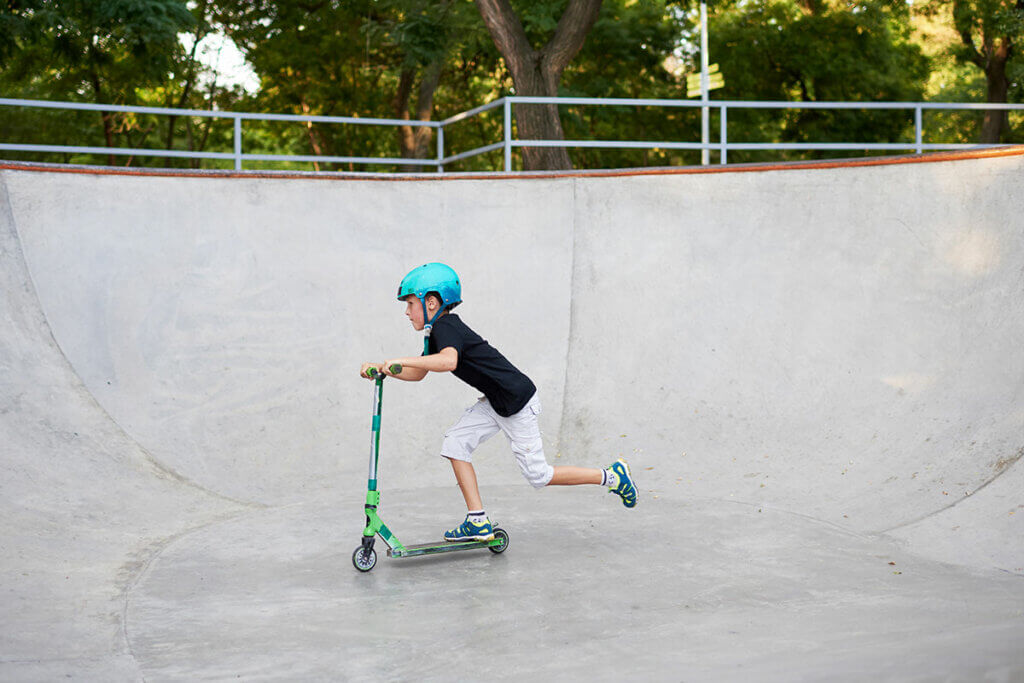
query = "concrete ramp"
{"x": 845, "y": 343}
{"x": 815, "y": 372}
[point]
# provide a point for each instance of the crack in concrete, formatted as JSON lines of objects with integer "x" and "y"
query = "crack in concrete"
{"x": 155, "y": 550}
{"x": 1008, "y": 464}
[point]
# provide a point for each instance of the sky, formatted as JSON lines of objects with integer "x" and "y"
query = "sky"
{"x": 222, "y": 56}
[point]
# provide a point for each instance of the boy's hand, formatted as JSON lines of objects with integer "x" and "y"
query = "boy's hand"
{"x": 365, "y": 370}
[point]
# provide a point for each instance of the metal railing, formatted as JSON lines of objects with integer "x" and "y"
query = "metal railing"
{"x": 723, "y": 146}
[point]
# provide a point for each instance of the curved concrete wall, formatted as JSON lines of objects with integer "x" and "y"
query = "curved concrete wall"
{"x": 842, "y": 342}
{"x": 222, "y": 322}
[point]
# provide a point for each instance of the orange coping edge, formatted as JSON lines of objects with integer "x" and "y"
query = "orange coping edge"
{"x": 989, "y": 153}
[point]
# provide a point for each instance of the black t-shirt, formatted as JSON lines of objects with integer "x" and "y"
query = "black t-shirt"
{"x": 481, "y": 366}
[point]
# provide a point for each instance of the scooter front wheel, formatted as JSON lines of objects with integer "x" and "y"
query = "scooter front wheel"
{"x": 364, "y": 559}
{"x": 501, "y": 535}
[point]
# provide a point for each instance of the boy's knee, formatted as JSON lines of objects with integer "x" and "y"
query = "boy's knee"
{"x": 457, "y": 449}
{"x": 457, "y": 456}
{"x": 539, "y": 474}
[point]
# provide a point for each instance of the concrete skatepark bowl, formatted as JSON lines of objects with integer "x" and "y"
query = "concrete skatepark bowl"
{"x": 816, "y": 373}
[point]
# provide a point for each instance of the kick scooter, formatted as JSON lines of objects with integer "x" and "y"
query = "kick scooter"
{"x": 364, "y": 558}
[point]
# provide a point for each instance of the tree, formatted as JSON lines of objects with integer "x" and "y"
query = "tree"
{"x": 629, "y": 53}
{"x": 312, "y": 59}
{"x": 425, "y": 36}
{"x": 106, "y": 49}
{"x": 364, "y": 58}
{"x": 537, "y": 72}
{"x": 810, "y": 51}
{"x": 989, "y": 30}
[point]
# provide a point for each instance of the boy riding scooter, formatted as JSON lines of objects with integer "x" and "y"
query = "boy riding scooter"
{"x": 509, "y": 403}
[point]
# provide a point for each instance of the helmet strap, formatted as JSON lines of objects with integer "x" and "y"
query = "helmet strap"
{"x": 428, "y": 325}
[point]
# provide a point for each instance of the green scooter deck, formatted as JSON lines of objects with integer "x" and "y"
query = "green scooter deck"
{"x": 443, "y": 547}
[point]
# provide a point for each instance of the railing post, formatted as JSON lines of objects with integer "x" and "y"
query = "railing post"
{"x": 508, "y": 134}
{"x": 918, "y": 129}
{"x": 705, "y": 95}
{"x": 238, "y": 143}
{"x": 722, "y": 137}
{"x": 440, "y": 149}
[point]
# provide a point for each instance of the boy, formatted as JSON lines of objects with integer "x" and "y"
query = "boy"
{"x": 509, "y": 401}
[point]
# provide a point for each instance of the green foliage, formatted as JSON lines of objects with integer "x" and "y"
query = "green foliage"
{"x": 109, "y": 52}
{"x": 990, "y": 33}
{"x": 988, "y": 20}
{"x": 624, "y": 56}
{"x": 776, "y": 50}
{"x": 347, "y": 59}
{"x": 85, "y": 45}
{"x": 385, "y": 58}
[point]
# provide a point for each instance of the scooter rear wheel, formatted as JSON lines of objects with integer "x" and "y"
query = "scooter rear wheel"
{"x": 364, "y": 559}
{"x": 502, "y": 535}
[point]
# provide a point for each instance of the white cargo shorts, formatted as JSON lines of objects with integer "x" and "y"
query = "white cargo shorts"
{"x": 480, "y": 423}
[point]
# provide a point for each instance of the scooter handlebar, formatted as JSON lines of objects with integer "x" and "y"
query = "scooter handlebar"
{"x": 394, "y": 368}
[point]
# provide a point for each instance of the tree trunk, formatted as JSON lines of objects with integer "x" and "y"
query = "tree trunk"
{"x": 425, "y": 108}
{"x": 108, "y": 130}
{"x": 996, "y": 122}
{"x": 414, "y": 141}
{"x": 314, "y": 140}
{"x": 400, "y": 105}
{"x": 990, "y": 58}
{"x": 537, "y": 72}
{"x": 540, "y": 122}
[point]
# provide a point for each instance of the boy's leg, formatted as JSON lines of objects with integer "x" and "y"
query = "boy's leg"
{"x": 466, "y": 476}
{"x": 617, "y": 478}
{"x": 574, "y": 476}
{"x": 476, "y": 527}
{"x": 475, "y": 426}
{"x": 523, "y": 432}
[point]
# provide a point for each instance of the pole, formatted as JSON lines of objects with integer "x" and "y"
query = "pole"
{"x": 918, "y": 129}
{"x": 705, "y": 123}
{"x": 723, "y": 134}
{"x": 507, "y": 111}
{"x": 238, "y": 143}
{"x": 440, "y": 149}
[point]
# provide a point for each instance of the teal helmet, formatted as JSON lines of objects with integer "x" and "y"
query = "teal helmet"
{"x": 432, "y": 277}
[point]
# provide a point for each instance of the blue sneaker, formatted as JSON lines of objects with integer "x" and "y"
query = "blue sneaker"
{"x": 626, "y": 488}
{"x": 468, "y": 531}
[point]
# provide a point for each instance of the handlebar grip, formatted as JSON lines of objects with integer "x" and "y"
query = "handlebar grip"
{"x": 394, "y": 368}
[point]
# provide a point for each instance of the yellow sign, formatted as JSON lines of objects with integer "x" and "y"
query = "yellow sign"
{"x": 715, "y": 80}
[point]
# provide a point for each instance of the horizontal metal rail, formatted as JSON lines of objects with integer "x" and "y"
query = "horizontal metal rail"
{"x": 473, "y": 152}
{"x": 209, "y": 113}
{"x": 852, "y": 146}
{"x": 509, "y": 142}
{"x": 723, "y": 145}
{"x": 117, "y": 151}
{"x": 473, "y": 112}
{"x": 748, "y": 104}
{"x": 312, "y": 158}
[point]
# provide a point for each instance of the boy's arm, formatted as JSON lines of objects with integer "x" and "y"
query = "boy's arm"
{"x": 416, "y": 368}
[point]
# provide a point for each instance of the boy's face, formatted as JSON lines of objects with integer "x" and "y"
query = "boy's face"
{"x": 414, "y": 310}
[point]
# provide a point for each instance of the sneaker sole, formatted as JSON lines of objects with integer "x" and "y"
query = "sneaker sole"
{"x": 636, "y": 491}
{"x": 470, "y": 538}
